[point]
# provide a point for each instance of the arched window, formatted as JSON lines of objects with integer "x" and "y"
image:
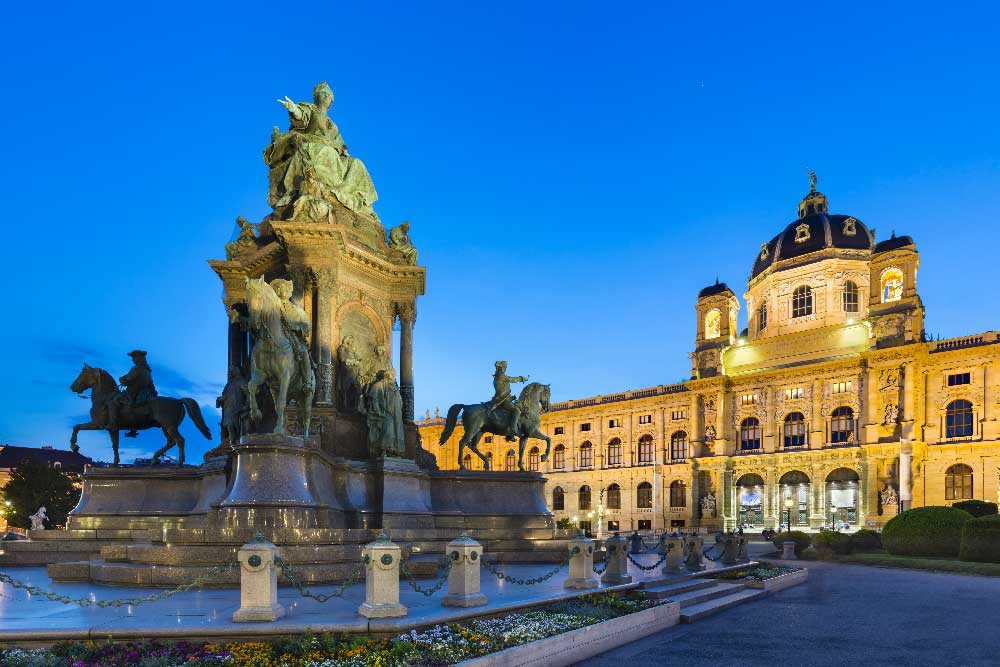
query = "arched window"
{"x": 644, "y": 496}
{"x": 586, "y": 455}
{"x": 958, "y": 420}
{"x": 533, "y": 459}
{"x": 510, "y": 461}
{"x": 842, "y": 425}
{"x": 750, "y": 434}
{"x": 850, "y": 297}
{"x": 958, "y": 482}
{"x": 678, "y": 493}
{"x": 615, "y": 452}
{"x": 583, "y": 497}
{"x": 892, "y": 285}
{"x": 802, "y": 301}
{"x": 646, "y": 449}
{"x": 467, "y": 461}
{"x": 558, "y": 498}
{"x": 57, "y": 465}
{"x": 679, "y": 446}
{"x": 713, "y": 324}
{"x": 795, "y": 430}
{"x": 559, "y": 458}
{"x": 762, "y": 317}
{"x": 613, "y": 497}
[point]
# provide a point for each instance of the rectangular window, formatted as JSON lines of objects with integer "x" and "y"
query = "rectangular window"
{"x": 585, "y": 426}
{"x": 842, "y": 387}
{"x": 488, "y": 438}
{"x": 614, "y": 423}
{"x": 959, "y": 378}
{"x": 613, "y": 526}
{"x": 677, "y": 415}
{"x": 645, "y": 524}
{"x": 645, "y": 419}
{"x": 792, "y": 394}
{"x": 748, "y": 399}
{"x": 677, "y": 523}
{"x": 585, "y": 526}
{"x": 559, "y": 430}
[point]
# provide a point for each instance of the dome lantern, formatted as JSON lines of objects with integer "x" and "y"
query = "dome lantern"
{"x": 813, "y": 203}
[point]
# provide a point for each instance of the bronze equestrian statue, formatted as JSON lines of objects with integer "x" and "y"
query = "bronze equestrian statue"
{"x": 501, "y": 415}
{"x": 137, "y": 408}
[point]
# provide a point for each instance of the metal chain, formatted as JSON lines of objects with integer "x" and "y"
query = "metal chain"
{"x": 530, "y": 582}
{"x": 119, "y": 602}
{"x": 425, "y": 591}
{"x": 600, "y": 570}
{"x": 290, "y": 574}
{"x": 647, "y": 568}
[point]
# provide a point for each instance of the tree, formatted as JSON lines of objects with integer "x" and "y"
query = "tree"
{"x": 33, "y": 484}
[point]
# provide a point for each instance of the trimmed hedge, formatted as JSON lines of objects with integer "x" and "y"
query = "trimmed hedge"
{"x": 925, "y": 531}
{"x": 838, "y": 543}
{"x": 981, "y": 540}
{"x": 802, "y": 540}
{"x": 976, "y": 508}
{"x": 866, "y": 540}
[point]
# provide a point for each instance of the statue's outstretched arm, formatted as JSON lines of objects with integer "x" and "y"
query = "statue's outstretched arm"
{"x": 292, "y": 107}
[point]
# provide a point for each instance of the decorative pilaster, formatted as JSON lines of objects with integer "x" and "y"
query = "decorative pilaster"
{"x": 324, "y": 279}
{"x": 407, "y": 313}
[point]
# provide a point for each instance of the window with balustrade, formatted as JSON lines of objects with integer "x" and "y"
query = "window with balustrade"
{"x": 842, "y": 425}
{"x": 750, "y": 434}
{"x": 613, "y": 497}
{"x": 678, "y": 493}
{"x": 644, "y": 496}
{"x": 794, "y": 430}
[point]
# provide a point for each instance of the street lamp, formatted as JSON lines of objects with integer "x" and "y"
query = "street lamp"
{"x": 788, "y": 511}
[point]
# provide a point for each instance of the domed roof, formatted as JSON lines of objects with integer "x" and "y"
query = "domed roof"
{"x": 712, "y": 290}
{"x": 893, "y": 242}
{"x": 814, "y": 230}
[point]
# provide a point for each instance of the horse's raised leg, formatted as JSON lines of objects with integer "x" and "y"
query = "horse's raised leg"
{"x": 548, "y": 443}
{"x": 89, "y": 426}
{"x": 473, "y": 446}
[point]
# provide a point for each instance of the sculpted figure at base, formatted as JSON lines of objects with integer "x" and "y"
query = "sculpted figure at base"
{"x": 888, "y": 497}
{"x": 138, "y": 407}
{"x": 348, "y": 376}
{"x": 280, "y": 355}
{"x": 38, "y": 519}
{"x": 399, "y": 239}
{"x": 310, "y": 166}
{"x": 383, "y": 410}
{"x": 495, "y": 417}
{"x": 235, "y": 405}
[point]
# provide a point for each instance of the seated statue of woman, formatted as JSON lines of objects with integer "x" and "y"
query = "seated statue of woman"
{"x": 310, "y": 164}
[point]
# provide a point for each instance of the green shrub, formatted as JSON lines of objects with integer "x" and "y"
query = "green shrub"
{"x": 866, "y": 540}
{"x": 981, "y": 540}
{"x": 809, "y": 554}
{"x": 925, "y": 531}
{"x": 802, "y": 540}
{"x": 838, "y": 543}
{"x": 977, "y": 508}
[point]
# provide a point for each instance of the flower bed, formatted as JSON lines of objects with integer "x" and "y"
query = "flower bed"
{"x": 760, "y": 572}
{"x": 437, "y": 646}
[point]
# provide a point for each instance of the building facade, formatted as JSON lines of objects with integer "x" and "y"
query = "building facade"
{"x": 830, "y": 408}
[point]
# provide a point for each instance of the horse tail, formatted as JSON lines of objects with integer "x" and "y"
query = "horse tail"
{"x": 449, "y": 426}
{"x": 192, "y": 408}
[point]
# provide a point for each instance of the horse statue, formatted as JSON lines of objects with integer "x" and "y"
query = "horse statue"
{"x": 481, "y": 418}
{"x": 159, "y": 412}
{"x": 280, "y": 355}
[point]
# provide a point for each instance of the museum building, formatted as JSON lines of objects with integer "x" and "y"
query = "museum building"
{"x": 830, "y": 408}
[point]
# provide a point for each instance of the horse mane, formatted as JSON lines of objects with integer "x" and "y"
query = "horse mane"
{"x": 530, "y": 392}
{"x": 270, "y": 300}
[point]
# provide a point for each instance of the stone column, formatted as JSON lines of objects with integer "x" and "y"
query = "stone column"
{"x": 466, "y": 556}
{"x": 905, "y": 482}
{"x": 407, "y": 312}
{"x": 324, "y": 280}
{"x": 382, "y": 560}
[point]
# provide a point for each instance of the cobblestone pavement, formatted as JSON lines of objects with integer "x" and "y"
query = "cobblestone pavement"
{"x": 844, "y": 614}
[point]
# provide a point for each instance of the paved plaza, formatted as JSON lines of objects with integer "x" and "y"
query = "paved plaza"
{"x": 844, "y": 614}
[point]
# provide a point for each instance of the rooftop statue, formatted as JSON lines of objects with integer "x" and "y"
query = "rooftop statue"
{"x": 138, "y": 407}
{"x": 399, "y": 240}
{"x": 501, "y": 415}
{"x": 280, "y": 356}
{"x": 310, "y": 165}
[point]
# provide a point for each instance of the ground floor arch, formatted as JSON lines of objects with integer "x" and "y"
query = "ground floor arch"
{"x": 843, "y": 498}
{"x": 750, "y": 500}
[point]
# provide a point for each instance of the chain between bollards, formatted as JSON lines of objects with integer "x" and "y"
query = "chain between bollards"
{"x": 289, "y": 573}
{"x": 119, "y": 602}
{"x": 425, "y": 591}
{"x": 530, "y": 582}
{"x": 647, "y": 568}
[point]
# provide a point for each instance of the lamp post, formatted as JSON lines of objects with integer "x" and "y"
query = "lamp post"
{"x": 788, "y": 512}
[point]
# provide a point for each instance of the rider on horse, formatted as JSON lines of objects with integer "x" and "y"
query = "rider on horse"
{"x": 139, "y": 389}
{"x": 503, "y": 399}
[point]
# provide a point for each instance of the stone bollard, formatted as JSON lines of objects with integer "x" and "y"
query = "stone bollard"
{"x": 616, "y": 571}
{"x": 258, "y": 584}
{"x": 465, "y": 555}
{"x": 730, "y": 549}
{"x": 788, "y": 551}
{"x": 694, "y": 547}
{"x": 742, "y": 552}
{"x": 382, "y": 560}
{"x": 581, "y": 564}
{"x": 675, "y": 554}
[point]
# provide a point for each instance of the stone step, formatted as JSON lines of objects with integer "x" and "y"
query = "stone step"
{"x": 668, "y": 591}
{"x": 42, "y": 557}
{"x": 703, "y": 609}
{"x": 692, "y": 598}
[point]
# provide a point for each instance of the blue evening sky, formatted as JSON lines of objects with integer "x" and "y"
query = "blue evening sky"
{"x": 574, "y": 173}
